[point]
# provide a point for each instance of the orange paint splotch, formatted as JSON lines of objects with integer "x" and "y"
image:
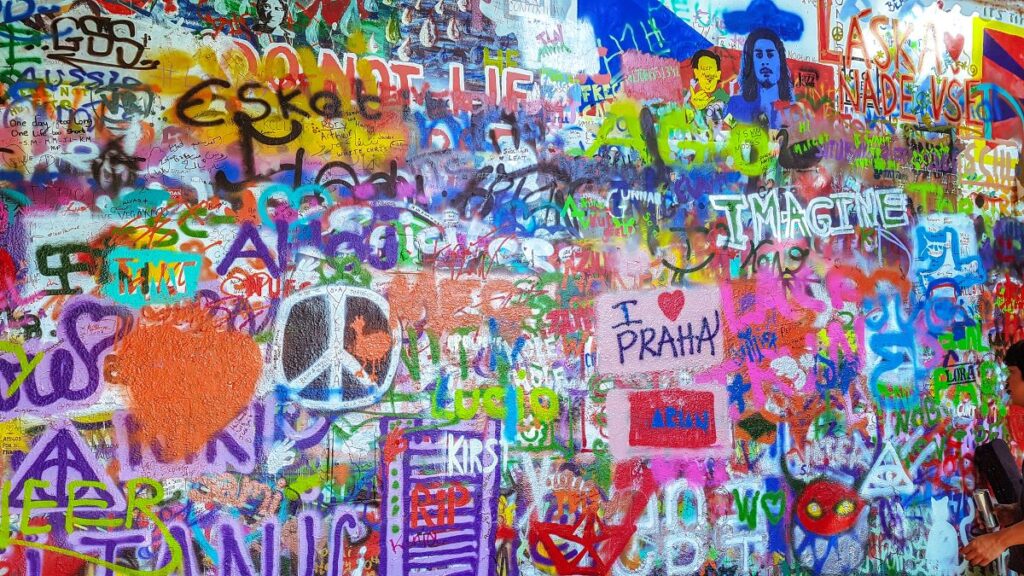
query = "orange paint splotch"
{"x": 185, "y": 384}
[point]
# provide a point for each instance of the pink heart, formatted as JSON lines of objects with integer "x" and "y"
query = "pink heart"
{"x": 671, "y": 303}
{"x": 954, "y": 45}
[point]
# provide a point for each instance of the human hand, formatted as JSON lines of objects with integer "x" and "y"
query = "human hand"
{"x": 984, "y": 549}
{"x": 699, "y": 99}
{"x": 281, "y": 454}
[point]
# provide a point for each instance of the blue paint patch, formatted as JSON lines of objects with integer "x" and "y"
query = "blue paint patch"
{"x": 765, "y": 14}
{"x": 511, "y": 414}
{"x": 643, "y": 25}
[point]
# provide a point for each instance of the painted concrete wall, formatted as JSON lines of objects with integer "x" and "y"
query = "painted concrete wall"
{"x": 503, "y": 287}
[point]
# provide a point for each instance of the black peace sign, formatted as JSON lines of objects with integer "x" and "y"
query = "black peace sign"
{"x": 334, "y": 348}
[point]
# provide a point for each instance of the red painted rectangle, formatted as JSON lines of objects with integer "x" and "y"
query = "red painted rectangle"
{"x": 672, "y": 419}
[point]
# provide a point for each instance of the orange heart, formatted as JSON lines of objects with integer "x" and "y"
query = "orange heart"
{"x": 186, "y": 386}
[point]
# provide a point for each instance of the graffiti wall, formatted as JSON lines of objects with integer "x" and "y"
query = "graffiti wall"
{"x": 503, "y": 287}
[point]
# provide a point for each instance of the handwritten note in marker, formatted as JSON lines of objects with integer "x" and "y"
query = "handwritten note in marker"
{"x": 652, "y": 330}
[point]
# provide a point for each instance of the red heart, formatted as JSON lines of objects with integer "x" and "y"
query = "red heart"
{"x": 671, "y": 303}
{"x": 954, "y": 45}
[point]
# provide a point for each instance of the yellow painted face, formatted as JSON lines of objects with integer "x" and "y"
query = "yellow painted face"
{"x": 707, "y": 74}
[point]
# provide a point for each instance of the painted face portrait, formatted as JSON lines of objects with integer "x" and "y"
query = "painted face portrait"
{"x": 764, "y": 70}
{"x": 707, "y": 74}
{"x": 766, "y": 63}
{"x": 271, "y": 13}
{"x": 830, "y": 528}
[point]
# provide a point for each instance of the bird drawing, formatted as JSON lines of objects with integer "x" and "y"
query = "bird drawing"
{"x": 370, "y": 347}
{"x": 799, "y": 156}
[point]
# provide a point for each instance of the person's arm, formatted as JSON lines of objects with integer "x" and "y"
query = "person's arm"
{"x": 985, "y": 548}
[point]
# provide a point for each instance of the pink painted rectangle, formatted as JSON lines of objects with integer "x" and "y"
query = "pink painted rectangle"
{"x": 647, "y": 77}
{"x": 654, "y": 330}
{"x": 674, "y": 422}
